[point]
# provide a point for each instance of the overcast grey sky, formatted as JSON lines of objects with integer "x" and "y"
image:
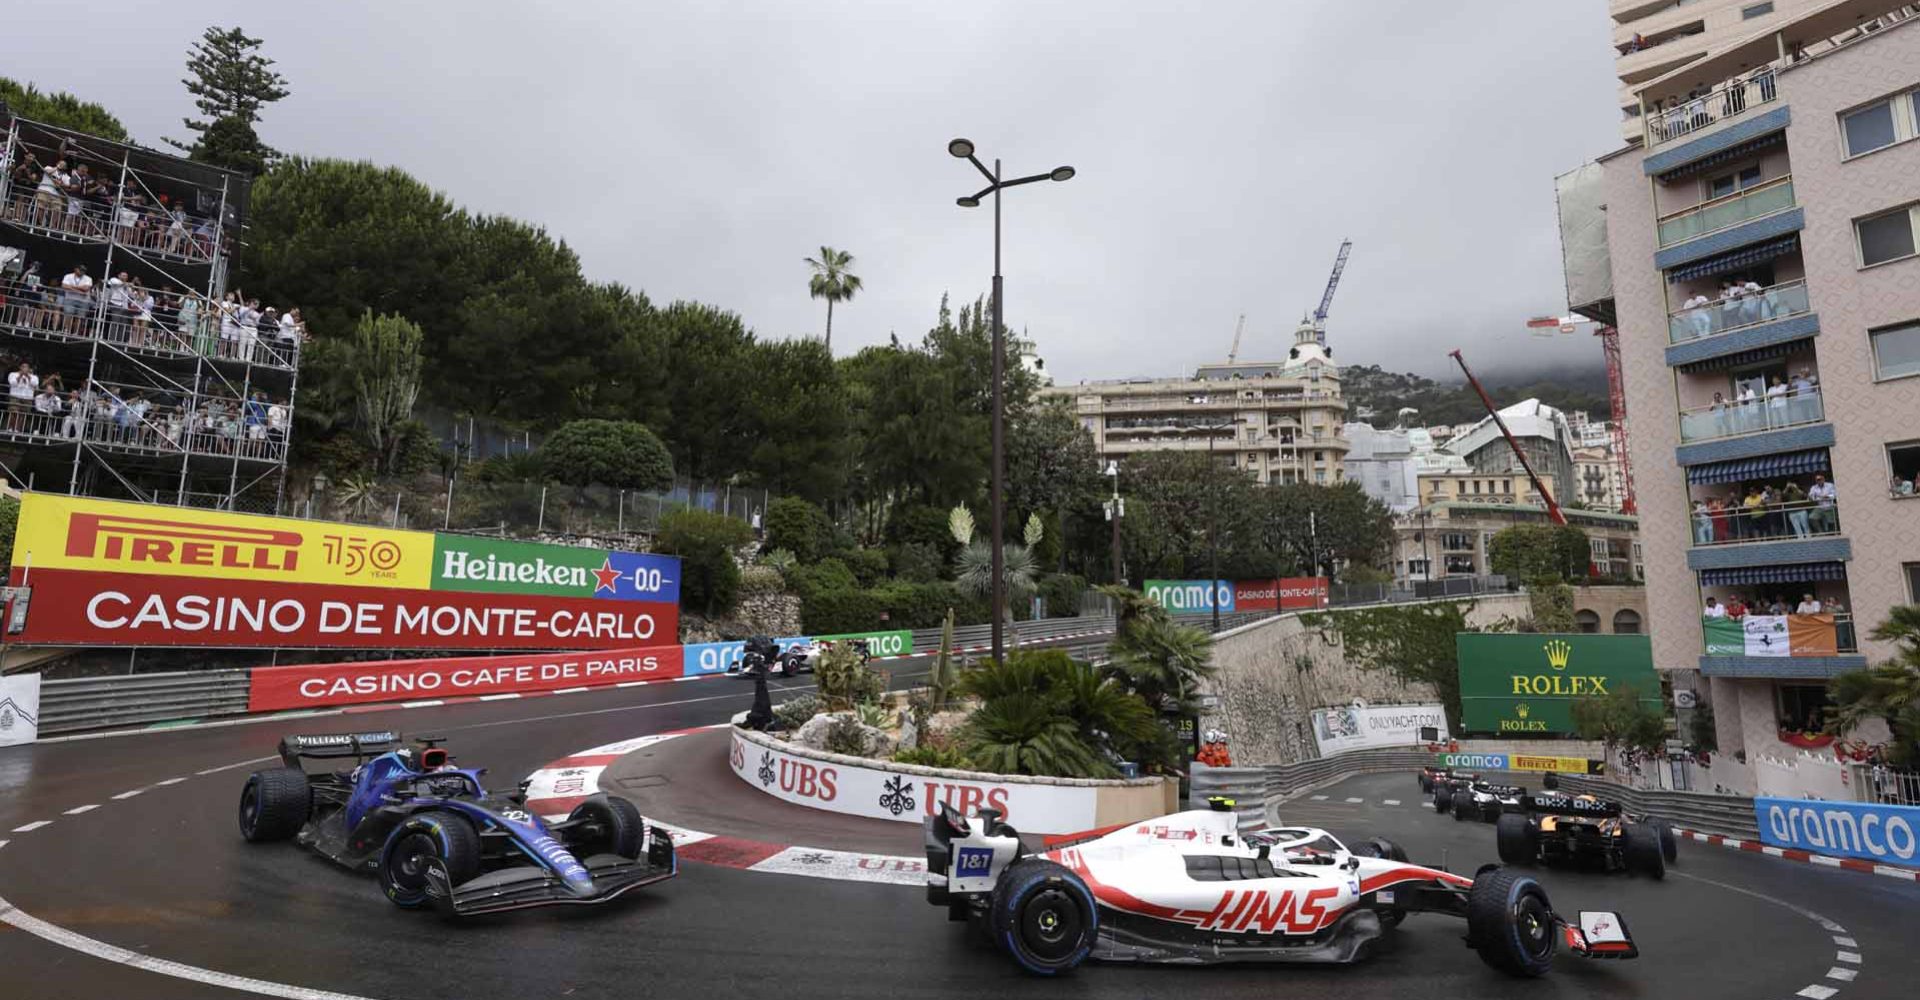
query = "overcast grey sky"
{"x": 701, "y": 148}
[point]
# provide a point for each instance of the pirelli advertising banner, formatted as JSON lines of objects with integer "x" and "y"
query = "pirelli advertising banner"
{"x": 1517, "y": 684}
{"x": 101, "y": 572}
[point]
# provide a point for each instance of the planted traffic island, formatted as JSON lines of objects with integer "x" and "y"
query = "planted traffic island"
{"x": 1057, "y": 745}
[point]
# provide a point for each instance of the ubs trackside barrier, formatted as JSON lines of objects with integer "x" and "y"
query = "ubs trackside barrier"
{"x": 68, "y": 706}
{"x": 1728, "y": 815}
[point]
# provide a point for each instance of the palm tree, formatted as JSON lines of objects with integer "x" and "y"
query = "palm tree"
{"x": 1162, "y": 662}
{"x": 1889, "y": 691}
{"x": 833, "y": 279}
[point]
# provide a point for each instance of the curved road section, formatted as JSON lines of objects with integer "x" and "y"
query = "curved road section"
{"x": 123, "y": 875}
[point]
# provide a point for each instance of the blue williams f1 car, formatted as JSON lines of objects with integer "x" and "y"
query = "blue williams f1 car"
{"x": 436, "y": 837}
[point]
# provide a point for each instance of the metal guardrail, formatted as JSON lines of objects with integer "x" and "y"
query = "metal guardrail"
{"x": 1727, "y": 815}
{"x": 81, "y": 703}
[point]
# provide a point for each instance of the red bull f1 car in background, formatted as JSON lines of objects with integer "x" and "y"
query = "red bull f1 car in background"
{"x": 1189, "y": 888}
{"x": 436, "y": 837}
{"x": 1583, "y": 830}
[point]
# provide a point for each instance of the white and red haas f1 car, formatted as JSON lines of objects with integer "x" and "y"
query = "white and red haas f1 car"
{"x": 1189, "y": 888}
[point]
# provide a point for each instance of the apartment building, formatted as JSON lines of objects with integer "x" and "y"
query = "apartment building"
{"x": 1450, "y": 538}
{"x": 1655, "y": 38}
{"x": 1757, "y": 254}
{"x": 1277, "y": 421}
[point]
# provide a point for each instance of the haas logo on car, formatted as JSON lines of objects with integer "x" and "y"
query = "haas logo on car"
{"x": 1241, "y": 911}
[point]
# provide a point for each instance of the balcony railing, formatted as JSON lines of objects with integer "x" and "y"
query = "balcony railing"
{"x": 1730, "y": 210}
{"x": 1729, "y": 100}
{"x": 152, "y": 421}
{"x": 1789, "y": 298}
{"x": 1765, "y": 522}
{"x": 1751, "y": 415}
{"x": 1725, "y": 635}
{"x": 163, "y": 330}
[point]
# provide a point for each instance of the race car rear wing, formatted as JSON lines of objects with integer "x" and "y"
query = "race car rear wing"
{"x": 324, "y": 746}
{"x": 1567, "y": 805}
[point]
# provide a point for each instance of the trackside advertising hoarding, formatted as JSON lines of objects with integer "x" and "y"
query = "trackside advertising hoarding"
{"x": 101, "y": 572}
{"x": 1886, "y": 834}
{"x": 19, "y": 709}
{"x": 1189, "y": 596}
{"x": 1351, "y": 727}
{"x": 1526, "y": 683}
{"x": 322, "y": 684}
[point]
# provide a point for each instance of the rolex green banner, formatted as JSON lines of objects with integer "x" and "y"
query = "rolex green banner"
{"x": 1525, "y": 684}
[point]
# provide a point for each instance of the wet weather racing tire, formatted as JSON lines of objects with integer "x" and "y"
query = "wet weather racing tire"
{"x": 422, "y": 840}
{"x": 1510, "y": 922}
{"x": 1381, "y": 847}
{"x": 1669, "y": 842}
{"x": 1643, "y": 851}
{"x": 1442, "y": 798}
{"x": 1464, "y": 809}
{"x": 611, "y": 825}
{"x": 1514, "y": 836}
{"x": 1426, "y": 783}
{"x": 274, "y": 804}
{"x": 1044, "y": 916}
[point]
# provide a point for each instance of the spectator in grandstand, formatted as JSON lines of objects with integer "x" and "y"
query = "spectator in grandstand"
{"x": 249, "y": 329}
{"x": 117, "y": 314}
{"x": 47, "y": 407}
{"x": 140, "y": 308}
{"x": 22, "y": 386}
{"x": 277, "y": 426}
{"x": 291, "y": 332}
{"x": 50, "y": 196}
{"x": 175, "y": 427}
{"x": 187, "y": 322}
{"x": 33, "y": 298}
{"x": 177, "y": 230}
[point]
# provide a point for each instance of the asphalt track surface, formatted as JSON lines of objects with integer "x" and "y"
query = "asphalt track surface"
{"x": 163, "y": 874}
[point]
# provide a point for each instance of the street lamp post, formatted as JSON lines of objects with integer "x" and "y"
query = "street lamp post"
{"x": 1116, "y": 509}
{"x": 963, "y": 149}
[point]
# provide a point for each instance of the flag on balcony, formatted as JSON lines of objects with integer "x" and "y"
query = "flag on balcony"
{"x": 1772, "y": 635}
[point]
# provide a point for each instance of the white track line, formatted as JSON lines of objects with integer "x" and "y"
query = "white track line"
{"x": 1814, "y": 991}
{"x": 1318, "y": 798}
{"x": 17, "y": 918}
{"x": 1817, "y": 992}
{"x": 1850, "y": 957}
{"x": 1390, "y": 802}
{"x": 77, "y": 810}
{"x": 171, "y": 781}
{"x": 35, "y": 825}
{"x": 127, "y": 795}
{"x": 1845, "y": 942}
{"x": 1844, "y": 975}
{"x": 1355, "y": 801}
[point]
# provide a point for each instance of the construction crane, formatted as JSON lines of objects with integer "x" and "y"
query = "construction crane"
{"x": 1553, "y": 509}
{"x": 1238, "y": 329}
{"x": 1326, "y": 298}
{"x": 1616, "y": 395}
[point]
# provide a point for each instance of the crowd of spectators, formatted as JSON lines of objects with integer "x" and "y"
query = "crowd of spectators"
{"x": 1767, "y": 510}
{"x": 1741, "y": 302}
{"x": 1783, "y": 403}
{"x": 233, "y": 327}
{"x": 1779, "y": 603}
{"x": 132, "y": 416}
{"x": 60, "y": 190}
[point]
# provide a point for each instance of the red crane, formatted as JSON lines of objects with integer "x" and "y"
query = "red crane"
{"x": 1553, "y": 509}
{"x": 1616, "y": 395}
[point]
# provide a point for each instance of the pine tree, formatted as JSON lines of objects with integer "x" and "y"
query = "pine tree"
{"x": 230, "y": 82}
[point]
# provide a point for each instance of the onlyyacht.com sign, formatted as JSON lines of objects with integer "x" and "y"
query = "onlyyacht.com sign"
{"x": 1887, "y": 834}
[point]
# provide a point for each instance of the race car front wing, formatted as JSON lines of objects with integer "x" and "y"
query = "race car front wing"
{"x": 530, "y": 886}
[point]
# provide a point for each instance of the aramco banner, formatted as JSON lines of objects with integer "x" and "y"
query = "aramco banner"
{"x": 1199, "y": 596}
{"x": 1526, "y": 683}
{"x": 103, "y": 572}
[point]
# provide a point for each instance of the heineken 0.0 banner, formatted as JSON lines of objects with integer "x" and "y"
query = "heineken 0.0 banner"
{"x": 1521, "y": 683}
{"x": 1772, "y": 635}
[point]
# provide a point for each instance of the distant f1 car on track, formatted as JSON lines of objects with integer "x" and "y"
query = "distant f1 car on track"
{"x": 1188, "y": 888}
{"x": 1485, "y": 801}
{"x": 1432, "y": 776}
{"x": 1583, "y": 829}
{"x": 435, "y": 836}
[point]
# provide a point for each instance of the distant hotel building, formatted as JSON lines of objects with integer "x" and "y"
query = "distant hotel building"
{"x": 1277, "y": 421}
{"x": 1781, "y": 162}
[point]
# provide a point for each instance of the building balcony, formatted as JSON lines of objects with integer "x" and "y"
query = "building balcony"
{"x": 1755, "y": 415}
{"x": 1782, "y": 301}
{"x": 1712, "y": 110}
{"x": 1727, "y": 211}
{"x": 1789, "y": 551}
{"x": 1766, "y": 523}
{"x": 1761, "y": 643}
{"x": 41, "y": 314}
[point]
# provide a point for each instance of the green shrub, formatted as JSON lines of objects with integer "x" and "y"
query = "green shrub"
{"x": 709, "y": 578}
{"x": 869, "y": 566}
{"x": 826, "y": 612}
{"x": 916, "y": 562}
{"x": 946, "y": 757}
{"x": 759, "y": 580}
{"x": 827, "y": 574}
{"x": 799, "y": 527}
{"x": 874, "y": 714}
{"x": 794, "y": 713}
{"x": 916, "y": 605}
{"x": 845, "y": 736}
{"x": 617, "y": 453}
{"x": 1062, "y": 591}
{"x": 9, "y": 523}
{"x": 921, "y": 524}
{"x": 843, "y": 682}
